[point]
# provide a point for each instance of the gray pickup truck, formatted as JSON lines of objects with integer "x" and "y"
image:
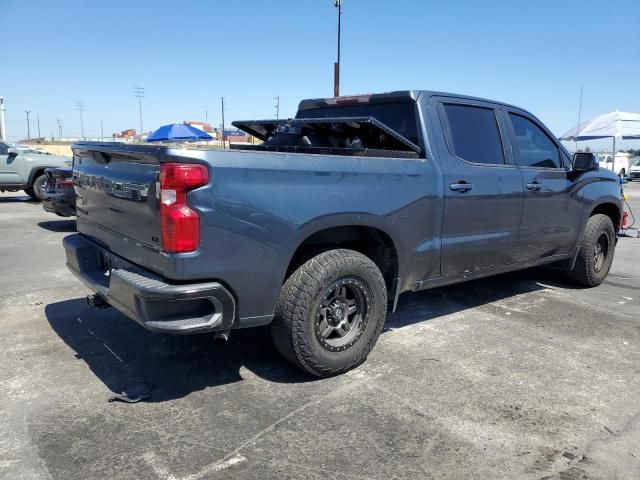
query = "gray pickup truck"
{"x": 24, "y": 170}
{"x": 321, "y": 227}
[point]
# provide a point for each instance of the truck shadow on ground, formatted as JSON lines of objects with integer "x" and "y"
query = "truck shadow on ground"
{"x": 120, "y": 352}
{"x": 19, "y": 198}
{"x": 59, "y": 225}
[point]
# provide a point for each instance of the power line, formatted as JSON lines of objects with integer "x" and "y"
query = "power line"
{"x": 138, "y": 92}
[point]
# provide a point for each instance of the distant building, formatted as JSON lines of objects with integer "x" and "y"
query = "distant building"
{"x": 234, "y": 135}
{"x": 128, "y": 134}
{"x": 206, "y": 127}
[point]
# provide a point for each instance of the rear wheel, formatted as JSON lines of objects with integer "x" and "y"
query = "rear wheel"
{"x": 35, "y": 191}
{"x": 596, "y": 252}
{"x": 330, "y": 312}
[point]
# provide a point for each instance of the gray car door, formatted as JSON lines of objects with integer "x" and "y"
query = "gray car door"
{"x": 483, "y": 191}
{"x": 9, "y": 171}
{"x": 552, "y": 211}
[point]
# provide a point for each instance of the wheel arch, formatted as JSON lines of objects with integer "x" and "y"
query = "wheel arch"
{"x": 368, "y": 238}
{"x": 609, "y": 208}
{"x": 35, "y": 171}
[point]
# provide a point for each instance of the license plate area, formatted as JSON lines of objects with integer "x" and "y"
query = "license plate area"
{"x": 107, "y": 262}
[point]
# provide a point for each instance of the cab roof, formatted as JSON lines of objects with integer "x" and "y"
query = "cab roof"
{"x": 398, "y": 96}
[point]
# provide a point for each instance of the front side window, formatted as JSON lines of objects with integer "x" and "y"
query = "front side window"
{"x": 475, "y": 136}
{"x": 534, "y": 148}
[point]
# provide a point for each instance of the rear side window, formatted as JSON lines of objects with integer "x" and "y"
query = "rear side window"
{"x": 474, "y": 132}
{"x": 534, "y": 148}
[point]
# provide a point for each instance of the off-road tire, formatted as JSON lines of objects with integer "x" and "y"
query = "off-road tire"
{"x": 295, "y": 330}
{"x": 585, "y": 271}
{"x": 35, "y": 190}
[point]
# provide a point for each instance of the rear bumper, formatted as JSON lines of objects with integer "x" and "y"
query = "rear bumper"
{"x": 63, "y": 204}
{"x": 147, "y": 298}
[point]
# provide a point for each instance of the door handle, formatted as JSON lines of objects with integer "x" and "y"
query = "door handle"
{"x": 461, "y": 187}
{"x": 534, "y": 186}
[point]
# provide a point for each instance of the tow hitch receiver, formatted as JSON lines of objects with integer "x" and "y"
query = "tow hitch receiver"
{"x": 97, "y": 301}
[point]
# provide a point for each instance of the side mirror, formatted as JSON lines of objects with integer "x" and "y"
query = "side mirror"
{"x": 13, "y": 152}
{"x": 584, "y": 162}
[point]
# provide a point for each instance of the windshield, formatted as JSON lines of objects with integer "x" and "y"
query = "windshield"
{"x": 636, "y": 163}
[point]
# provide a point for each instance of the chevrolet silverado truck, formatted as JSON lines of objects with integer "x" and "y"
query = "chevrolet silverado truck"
{"x": 21, "y": 169}
{"x": 321, "y": 227}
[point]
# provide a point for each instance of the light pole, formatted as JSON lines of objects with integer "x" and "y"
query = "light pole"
{"x": 138, "y": 92}
{"x": 3, "y": 133}
{"x": 59, "y": 127}
{"x": 28, "y": 125}
{"x": 277, "y": 106}
{"x": 222, "y": 111}
{"x": 80, "y": 108}
{"x": 336, "y": 66}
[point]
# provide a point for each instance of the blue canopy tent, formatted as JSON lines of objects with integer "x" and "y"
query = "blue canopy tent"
{"x": 175, "y": 132}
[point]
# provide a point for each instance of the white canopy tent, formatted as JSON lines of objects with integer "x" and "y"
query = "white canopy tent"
{"x": 625, "y": 125}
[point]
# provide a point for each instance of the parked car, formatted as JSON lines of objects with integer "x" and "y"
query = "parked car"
{"x": 634, "y": 170}
{"x": 319, "y": 229}
{"x": 622, "y": 163}
{"x": 59, "y": 196}
{"x": 40, "y": 150}
{"x": 21, "y": 170}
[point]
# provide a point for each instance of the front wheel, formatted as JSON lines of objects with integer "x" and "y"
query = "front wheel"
{"x": 330, "y": 312}
{"x": 35, "y": 191}
{"x": 596, "y": 252}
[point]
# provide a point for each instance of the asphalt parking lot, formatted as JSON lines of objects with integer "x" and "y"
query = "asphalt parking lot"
{"x": 518, "y": 376}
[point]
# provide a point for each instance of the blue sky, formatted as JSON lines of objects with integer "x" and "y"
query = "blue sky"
{"x": 188, "y": 54}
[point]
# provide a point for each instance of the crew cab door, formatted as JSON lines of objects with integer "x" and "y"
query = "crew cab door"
{"x": 10, "y": 166}
{"x": 552, "y": 211}
{"x": 483, "y": 191}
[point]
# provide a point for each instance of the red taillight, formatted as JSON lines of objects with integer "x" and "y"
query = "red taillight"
{"x": 180, "y": 224}
{"x": 65, "y": 183}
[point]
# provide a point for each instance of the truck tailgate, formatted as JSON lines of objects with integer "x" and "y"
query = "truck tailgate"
{"x": 117, "y": 192}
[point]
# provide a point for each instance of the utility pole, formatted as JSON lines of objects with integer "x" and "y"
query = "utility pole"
{"x": 138, "y": 92}
{"x": 80, "y": 108}
{"x": 336, "y": 66}
{"x": 59, "y": 128}
{"x": 38, "y": 118}
{"x": 579, "y": 119}
{"x": 277, "y": 106}
{"x": 28, "y": 125}
{"x": 206, "y": 117}
{"x": 3, "y": 133}
{"x": 101, "y": 132}
{"x": 222, "y": 102}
